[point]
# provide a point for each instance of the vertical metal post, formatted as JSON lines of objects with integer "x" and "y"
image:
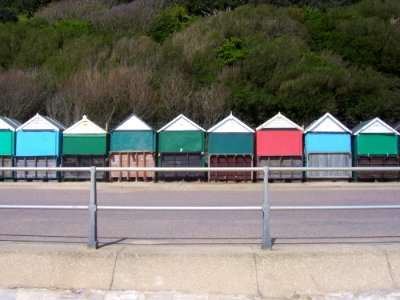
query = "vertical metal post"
{"x": 266, "y": 240}
{"x": 92, "y": 241}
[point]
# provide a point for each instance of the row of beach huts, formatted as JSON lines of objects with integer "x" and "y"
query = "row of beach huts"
{"x": 279, "y": 142}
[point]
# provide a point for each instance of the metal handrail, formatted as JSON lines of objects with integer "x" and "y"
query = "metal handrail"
{"x": 266, "y": 208}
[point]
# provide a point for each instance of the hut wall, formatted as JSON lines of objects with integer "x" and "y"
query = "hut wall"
{"x": 327, "y": 143}
{"x": 180, "y": 141}
{"x": 281, "y": 161}
{"x": 377, "y": 161}
{"x": 231, "y": 143}
{"x": 233, "y": 160}
{"x": 376, "y": 144}
{"x": 7, "y": 162}
{"x": 37, "y": 161}
{"x": 181, "y": 160}
{"x": 132, "y": 159}
{"x": 38, "y": 143}
{"x": 279, "y": 143}
{"x": 83, "y": 161}
{"x": 7, "y": 143}
{"x": 84, "y": 144}
{"x": 133, "y": 141}
{"x": 329, "y": 160}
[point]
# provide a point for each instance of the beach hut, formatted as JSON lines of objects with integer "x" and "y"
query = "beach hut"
{"x": 230, "y": 144}
{"x": 375, "y": 143}
{"x": 279, "y": 143}
{"x": 84, "y": 145}
{"x": 327, "y": 143}
{"x": 38, "y": 144}
{"x": 132, "y": 144}
{"x": 8, "y": 127}
{"x": 181, "y": 144}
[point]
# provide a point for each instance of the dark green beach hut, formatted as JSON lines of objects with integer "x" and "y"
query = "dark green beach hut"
{"x": 132, "y": 144}
{"x": 230, "y": 144}
{"x": 375, "y": 143}
{"x": 84, "y": 145}
{"x": 181, "y": 143}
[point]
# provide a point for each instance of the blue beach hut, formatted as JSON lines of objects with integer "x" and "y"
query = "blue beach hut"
{"x": 38, "y": 144}
{"x": 327, "y": 143}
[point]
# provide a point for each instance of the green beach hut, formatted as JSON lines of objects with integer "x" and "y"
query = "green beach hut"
{"x": 230, "y": 144}
{"x": 84, "y": 145}
{"x": 132, "y": 144}
{"x": 375, "y": 143}
{"x": 8, "y": 128}
{"x": 181, "y": 143}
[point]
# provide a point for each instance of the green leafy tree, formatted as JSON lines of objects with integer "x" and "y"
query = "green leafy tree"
{"x": 169, "y": 21}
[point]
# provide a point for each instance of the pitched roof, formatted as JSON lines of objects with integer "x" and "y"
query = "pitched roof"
{"x": 133, "y": 122}
{"x": 230, "y": 124}
{"x": 181, "y": 123}
{"x": 84, "y": 126}
{"x": 9, "y": 124}
{"x": 375, "y": 125}
{"x": 39, "y": 122}
{"x": 327, "y": 123}
{"x": 279, "y": 121}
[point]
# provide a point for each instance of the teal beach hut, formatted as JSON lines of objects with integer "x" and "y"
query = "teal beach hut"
{"x": 8, "y": 128}
{"x": 230, "y": 144}
{"x": 132, "y": 144}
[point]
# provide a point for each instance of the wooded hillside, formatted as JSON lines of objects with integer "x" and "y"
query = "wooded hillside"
{"x": 158, "y": 58}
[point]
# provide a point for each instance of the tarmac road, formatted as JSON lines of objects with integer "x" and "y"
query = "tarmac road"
{"x": 205, "y": 227}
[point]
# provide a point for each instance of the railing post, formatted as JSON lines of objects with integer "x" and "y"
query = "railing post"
{"x": 92, "y": 241}
{"x": 266, "y": 240}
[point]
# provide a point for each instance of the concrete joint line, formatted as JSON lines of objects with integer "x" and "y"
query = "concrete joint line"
{"x": 114, "y": 268}
{"x": 389, "y": 268}
{"x": 257, "y": 278}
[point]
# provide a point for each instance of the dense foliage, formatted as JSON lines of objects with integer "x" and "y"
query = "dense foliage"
{"x": 108, "y": 59}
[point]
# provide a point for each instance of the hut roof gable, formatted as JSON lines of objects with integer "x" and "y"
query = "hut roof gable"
{"x": 9, "y": 124}
{"x": 133, "y": 123}
{"x": 39, "y": 122}
{"x": 279, "y": 121}
{"x": 84, "y": 126}
{"x": 376, "y": 126}
{"x": 327, "y": 123}
{"x": 231, "y": 124}
{"x": 181, "y": 123}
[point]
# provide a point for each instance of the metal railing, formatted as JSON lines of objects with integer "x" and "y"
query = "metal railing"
{"x": 92, "y": 208}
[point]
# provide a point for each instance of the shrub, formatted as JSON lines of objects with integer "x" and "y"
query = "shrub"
{"x": 168, "y": 21}
{"x": 231, "y": 51}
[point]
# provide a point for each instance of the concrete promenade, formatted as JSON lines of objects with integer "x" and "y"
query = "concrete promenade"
{"x": 71, "y": 271}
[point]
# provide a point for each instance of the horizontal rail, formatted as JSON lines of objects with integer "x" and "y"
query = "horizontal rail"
{"x": 200, "y": 169}
{"x": 336, "y": 207}
{"x": 277, "y": 208}
{"x": 104, "y": 207}
{"x": 44, "y": 207}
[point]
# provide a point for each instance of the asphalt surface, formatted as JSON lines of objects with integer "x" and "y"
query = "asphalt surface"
{"x": 201, "y": 227}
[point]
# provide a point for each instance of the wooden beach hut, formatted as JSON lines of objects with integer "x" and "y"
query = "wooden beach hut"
{"x": 38, "y": 144}
{"x": 84, "y": 145}
{"x": 230, "y": 144}
{"x": 181, "y": 143}
{"x": 375, "y": 143}
{"x": 327, "y": 143}
{"x": 279, "y": 143}
{"x": 132, "y": 144}
{"x": 8, "y": 127}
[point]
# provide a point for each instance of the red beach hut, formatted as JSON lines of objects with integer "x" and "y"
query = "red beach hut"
{"x": 279, "y": 143}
